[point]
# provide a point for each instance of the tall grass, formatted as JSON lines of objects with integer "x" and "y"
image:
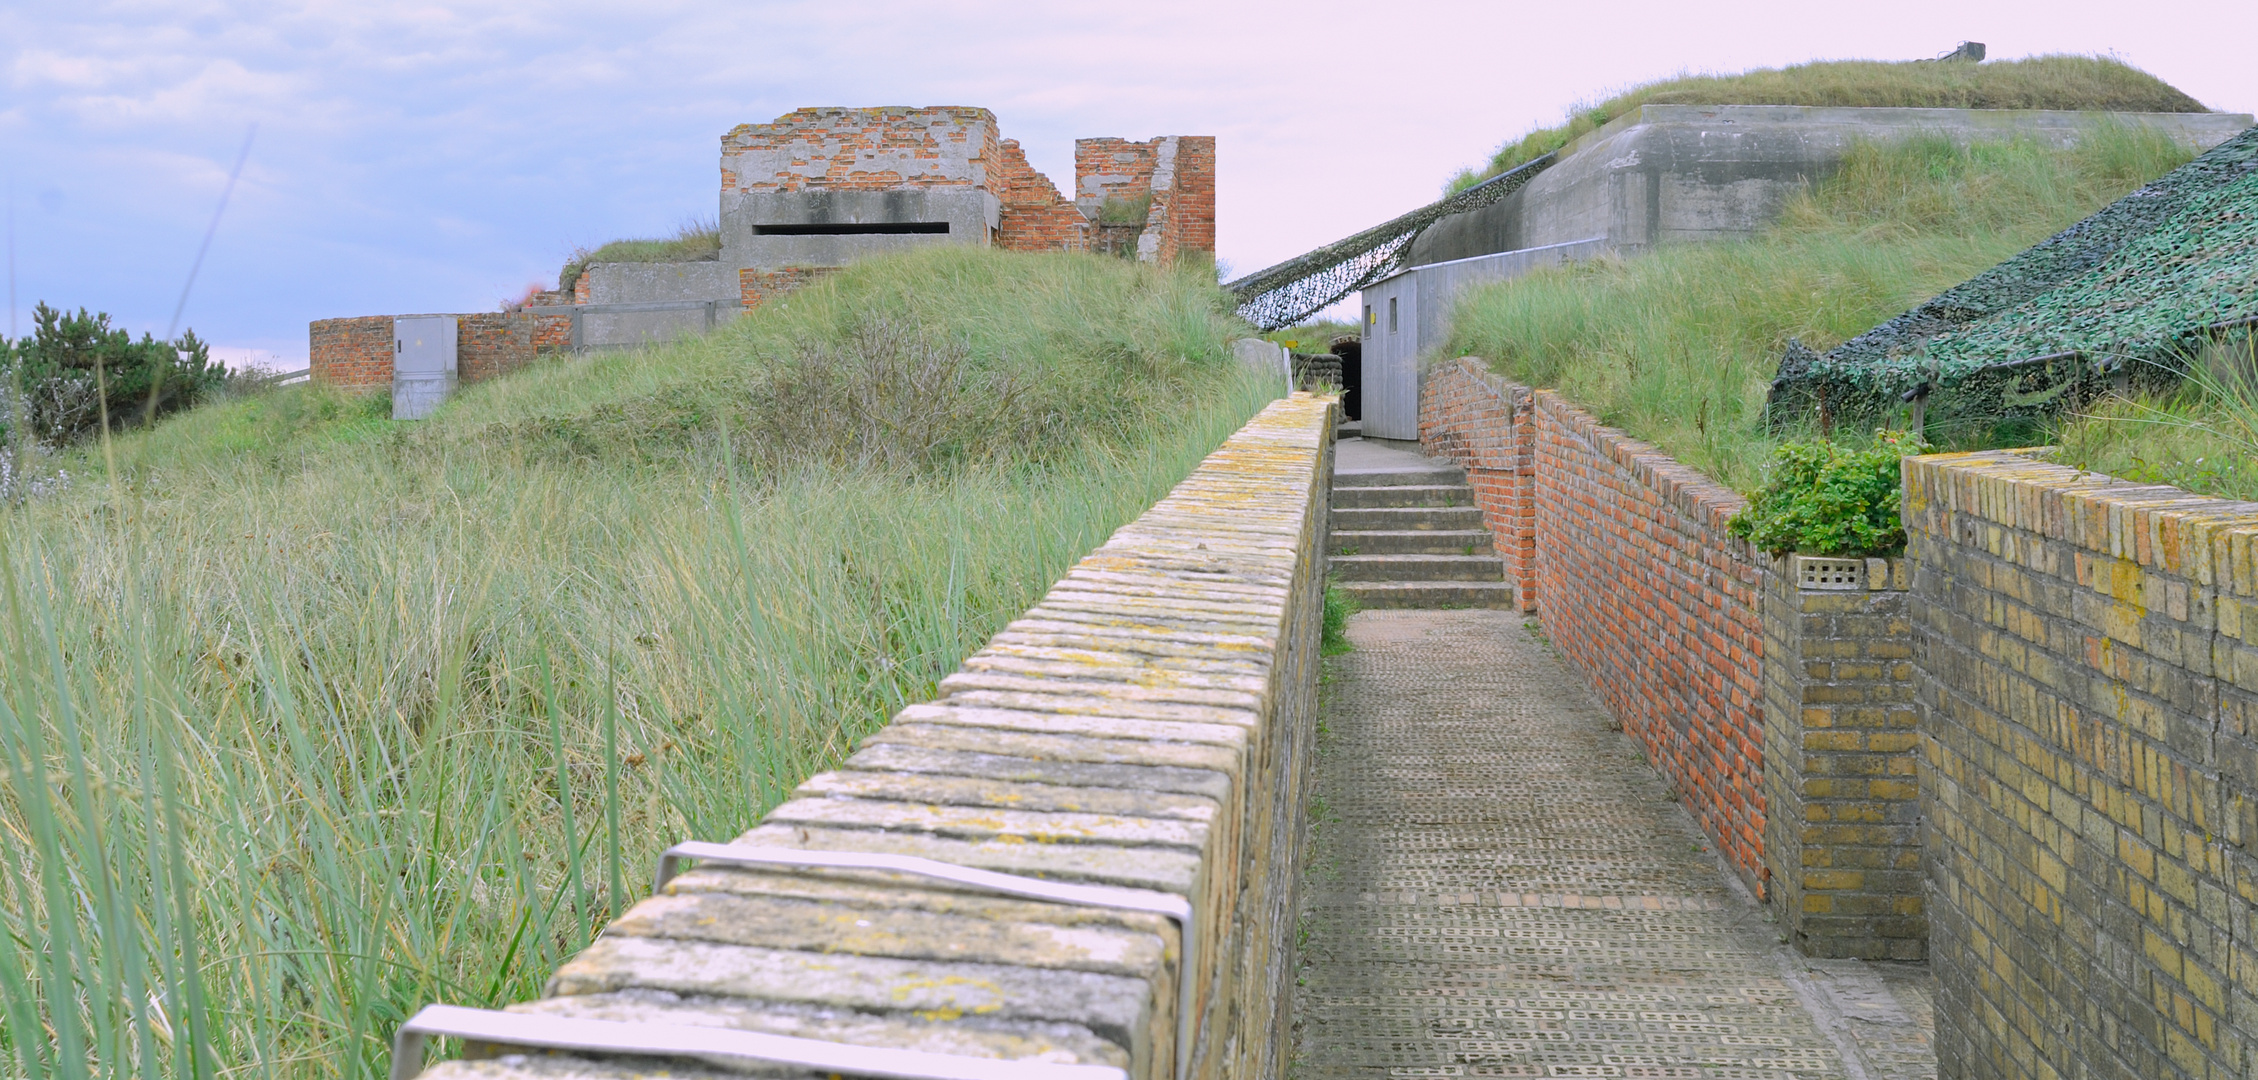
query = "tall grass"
{"x": 1679, "y": 346}
{"x": 307, "y": 719}
{"x": 695, "y": 240}
{"x": 2202, "y": 436}
{"x": 2039, "y": 82}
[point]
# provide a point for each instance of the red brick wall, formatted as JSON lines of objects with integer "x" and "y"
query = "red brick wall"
{"x": 1641, "y": 587}
{"x": 1190, "y": 201}
{"x": 352, "y": 354}
{"x": 1625, "y": 554}
{"x": 1488, "y": 426}
{"x": 757, "y": 287}
{"x": 1113, "y": 168}
{"x": 1035, "y": 217}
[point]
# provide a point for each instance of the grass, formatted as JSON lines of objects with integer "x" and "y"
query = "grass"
{"x": 695, "y": 240}
{"x": 2040, "y": 82}
{"x": 308, "y": 718}
{"x": 2202, "y": 437}
{"x": 1312, "y": 337}
{"x": 1679, "y": 346}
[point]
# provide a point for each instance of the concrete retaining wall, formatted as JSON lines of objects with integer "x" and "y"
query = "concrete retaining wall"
{"x": 1149, "y": 724}
{"x": 1682, "y": 172}
{"x": 2088, "y": 658}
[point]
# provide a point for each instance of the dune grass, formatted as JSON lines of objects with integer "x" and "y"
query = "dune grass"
{"x": 695, "y": 240}
{"x": 2039, "y": 82}
{"x": 308, "y": 718}
{"x": 1679, "y": 346}
{"x": 2201, "y": 436}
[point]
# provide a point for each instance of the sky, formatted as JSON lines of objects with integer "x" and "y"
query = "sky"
{"x": 442, "y": 157}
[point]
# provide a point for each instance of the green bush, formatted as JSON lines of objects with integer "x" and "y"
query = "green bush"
{"x": 1339, "y": 605}
{"x": 1823, "y": 499}
{"x": 61, "y": 377}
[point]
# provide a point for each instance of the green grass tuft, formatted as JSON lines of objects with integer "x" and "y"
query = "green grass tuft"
{"x": 693, "y": 241}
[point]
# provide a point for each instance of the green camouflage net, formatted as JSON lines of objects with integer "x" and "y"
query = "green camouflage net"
{"x": 2119, "y": 299}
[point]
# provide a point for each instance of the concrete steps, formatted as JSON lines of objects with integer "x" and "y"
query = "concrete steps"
{"x": 1413, "y": 538}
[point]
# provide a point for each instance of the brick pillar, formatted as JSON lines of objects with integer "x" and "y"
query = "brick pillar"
{"x": 1842, "y": 841}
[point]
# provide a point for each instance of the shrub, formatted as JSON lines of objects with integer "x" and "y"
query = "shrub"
{"x": 70, "y": 364}
{"x": 1823, "y": 499}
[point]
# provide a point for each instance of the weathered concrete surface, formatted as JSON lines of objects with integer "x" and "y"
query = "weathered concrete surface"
{"x": 1677, "y": 172}
{"x": 1500, "y": 885}
{"x": 1147, "y": 725}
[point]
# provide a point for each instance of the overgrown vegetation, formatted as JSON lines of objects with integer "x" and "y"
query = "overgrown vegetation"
{"x": 1339, "y": 605}
{"x": 2202, "y": 436}
{"x": 1822, "y": 498}
{"x": 2040, "y": 82}
{"x": 695, "y": 240}
{"x": 308, "y": 718}
{"x": 1679, "y": 346}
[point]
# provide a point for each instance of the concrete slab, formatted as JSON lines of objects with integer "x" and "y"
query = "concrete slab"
{"x": 1369, "y": 456}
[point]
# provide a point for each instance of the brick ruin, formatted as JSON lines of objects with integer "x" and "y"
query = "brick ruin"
{"x": 817, "y": 189}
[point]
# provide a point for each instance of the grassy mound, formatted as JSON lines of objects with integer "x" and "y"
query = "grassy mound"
{"x": 693, "y": 241}
{"x": 2041, "y": 82}
{"x": 308, "y": 718}
{"x": 1679, "y": 346}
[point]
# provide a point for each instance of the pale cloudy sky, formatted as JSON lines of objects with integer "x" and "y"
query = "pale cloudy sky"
{"x": 427, "y": 156}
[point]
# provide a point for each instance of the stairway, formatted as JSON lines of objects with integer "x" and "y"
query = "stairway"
{"x": 1413, "y": 538}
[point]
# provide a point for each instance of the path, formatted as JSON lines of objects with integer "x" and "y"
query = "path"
{"x": 1500, "y": 886}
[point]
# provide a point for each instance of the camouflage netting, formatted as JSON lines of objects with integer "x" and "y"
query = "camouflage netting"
{"x": 2120, "y": 298}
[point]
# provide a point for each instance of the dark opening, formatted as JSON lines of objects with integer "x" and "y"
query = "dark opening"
{"x": 852, "y": 228}
{"x": 1351, "y": 351}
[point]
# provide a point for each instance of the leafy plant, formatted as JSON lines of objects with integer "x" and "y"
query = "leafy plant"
{"x": 1823, "y": 499}
{"x": 1339, "y": 605}
{"x": 59, "y": 382}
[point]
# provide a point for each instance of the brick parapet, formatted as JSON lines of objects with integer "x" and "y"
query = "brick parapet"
{"x": 1487, "y": 425}
{"x": 1149, "y": 724}
{"x": 352, "y": 353}
{"x": 1643, "y": 590}
{"x": 871, "y": 149}
{"x": 2088, "y": 658}
{"x": 1841, "y": 756}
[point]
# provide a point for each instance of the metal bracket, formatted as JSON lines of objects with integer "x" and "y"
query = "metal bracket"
{"x": 987, "y": 881}
{"x": 677, "y": 1040}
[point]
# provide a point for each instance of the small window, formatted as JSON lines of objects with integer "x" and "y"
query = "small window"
{"x": 1369, "y": 318}
{"x": 1391, "y": 314}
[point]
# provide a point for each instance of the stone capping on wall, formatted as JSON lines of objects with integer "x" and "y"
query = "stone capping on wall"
{"x": 1149, "y": 723}
{"x": 2088, "y": 657}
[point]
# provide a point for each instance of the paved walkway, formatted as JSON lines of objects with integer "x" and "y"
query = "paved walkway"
{"x": 1500, "y": 886}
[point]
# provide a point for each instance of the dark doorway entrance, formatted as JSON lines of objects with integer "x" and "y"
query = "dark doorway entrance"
{"x": 1351, "y": 351}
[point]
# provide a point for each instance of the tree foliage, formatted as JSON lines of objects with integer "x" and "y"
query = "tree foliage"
{"x": 75, "y": 368}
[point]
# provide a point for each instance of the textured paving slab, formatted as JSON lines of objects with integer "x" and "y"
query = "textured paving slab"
{"x": 1500, "y": 886}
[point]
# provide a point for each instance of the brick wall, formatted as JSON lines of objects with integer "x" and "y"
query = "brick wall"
{"x": 496, "y": 342}
{"x": 1640, "y": 587}
{"x": 1035, "y": 216}
{"x": 2088, "y": 658}
{"x": 351, "y": 354}
{"x": 1488, "y": 426}
{"x": 758, "y": 287}
{"x": 1191, "y": 203}
{"x": 1841, "y": 803}
{"x": 841, "y": 149}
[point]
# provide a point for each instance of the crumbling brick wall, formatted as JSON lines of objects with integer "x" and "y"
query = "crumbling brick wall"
{"x": 761, "y": 286}
{"x": 1035, "y": 216}
{"x": 1172, "y": 177}
{"x": 497, "y": 342}
{"x": 1183, "y": 214}
{"x": 351, "y": 354}
{"x": 862, "y": 150}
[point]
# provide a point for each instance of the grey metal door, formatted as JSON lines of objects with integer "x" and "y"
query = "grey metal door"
{"x": 423, "y": 364}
